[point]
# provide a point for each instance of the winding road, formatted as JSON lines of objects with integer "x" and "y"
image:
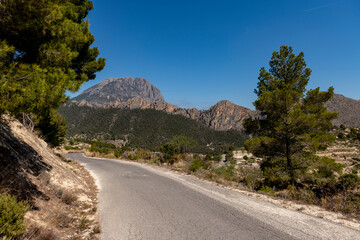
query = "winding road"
{"x": 139, "y": 201}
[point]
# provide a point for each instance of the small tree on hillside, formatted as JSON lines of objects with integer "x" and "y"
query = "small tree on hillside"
{"x": 182, "y": 143}
{"x": 295, "y": 123}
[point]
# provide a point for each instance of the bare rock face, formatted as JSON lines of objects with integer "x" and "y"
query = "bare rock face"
{"x": 222, "y": 116}
{"x": 348, "y": 110}
{"x": 119, "y": 90}
{"x": 226, "y": 115}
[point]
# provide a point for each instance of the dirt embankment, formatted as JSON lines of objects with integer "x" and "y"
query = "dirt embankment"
{"x": 62, "y": 194}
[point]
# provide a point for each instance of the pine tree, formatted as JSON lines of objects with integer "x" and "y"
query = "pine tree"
{"x": 295, "y": 123}
{"x": 44, "y": 51}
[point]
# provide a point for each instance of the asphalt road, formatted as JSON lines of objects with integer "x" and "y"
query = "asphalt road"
{"x": 145, "y": 202}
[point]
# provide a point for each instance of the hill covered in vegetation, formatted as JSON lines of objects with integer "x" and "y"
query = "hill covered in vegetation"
{"x": 144, "y": 128}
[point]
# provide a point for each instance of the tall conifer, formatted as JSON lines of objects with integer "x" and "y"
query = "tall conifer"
{"x": 295, "y": 122}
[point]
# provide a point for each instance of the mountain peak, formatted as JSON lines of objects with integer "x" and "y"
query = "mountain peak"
{"x": 120, "y": 90}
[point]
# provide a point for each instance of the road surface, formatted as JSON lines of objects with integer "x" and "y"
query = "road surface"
{"x": 145, "y": 202}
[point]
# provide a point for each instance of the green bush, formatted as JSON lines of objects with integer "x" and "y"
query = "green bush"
{"x": 341, "y": 135}
{"x": 208, "y": 157}
{"x": 327, "y": 167}
{"x": 229, "y": 156}
{"x": 217, "y": 158}
{"x": 12, "y": 215}
{"x": 196, "y": 164}
{"x": 227, "y": 172}
{"x": 349, "y": 181}
{"x": 169, "y": 153}
{"x": 267, "y": 189}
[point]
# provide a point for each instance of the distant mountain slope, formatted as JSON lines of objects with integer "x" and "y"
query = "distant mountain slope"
{"x": 138, "y": 93}
{"x": 145, "y": 128}
{"x": 119, "y": 90}
{"x": 223, "y": 116}
{"x": 348, "y": 109}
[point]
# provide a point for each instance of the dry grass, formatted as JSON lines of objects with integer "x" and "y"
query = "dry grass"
{"x": 57, "y": 208}
{"x": 68, "y": 198}
{"x": 39, "y": 233}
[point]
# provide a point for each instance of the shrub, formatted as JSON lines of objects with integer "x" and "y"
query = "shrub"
{"x": 227, "y": 172}
{"x": 341, "y": 135}
{"x": 196, "y": 164}
{"x": 12, "y": 215}
{"x": 349, "y": 181}
{"x": 302, "y": 194}
{"x": 229, "y": 155}
{"x": 267, "y": 189}
{"x": 251, "y": 177}
{"x": 217, "y": 158}
{"x": 208, "y": 157}
{"x": 327, "y": 166}
{"x": 169, "y": 153}
{"x": 143, "y": 154}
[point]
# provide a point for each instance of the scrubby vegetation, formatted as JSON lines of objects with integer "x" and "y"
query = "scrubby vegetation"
{"x": 147, "y": 129}
{"x": 12, "y": 215}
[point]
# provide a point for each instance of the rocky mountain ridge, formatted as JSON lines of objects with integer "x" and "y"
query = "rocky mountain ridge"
{"x": 121, "y": 90}
{"x": 138, "y": 93}
{"x": 223, "y": 116}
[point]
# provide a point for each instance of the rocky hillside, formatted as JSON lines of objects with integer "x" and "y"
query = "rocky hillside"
{"x": 119, "y": 90}
{"x": 348, "y": 109}
{"x": 223, "y": 116}
{"x": 56, "y": 190}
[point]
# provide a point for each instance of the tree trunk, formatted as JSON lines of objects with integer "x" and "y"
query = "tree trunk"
{"x": 289, "y": 163}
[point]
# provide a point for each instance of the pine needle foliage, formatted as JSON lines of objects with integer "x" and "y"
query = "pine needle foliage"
{"x": 12, "y": 215}
{"x": 295, "y": 122}
{"x": 44, "y": 52}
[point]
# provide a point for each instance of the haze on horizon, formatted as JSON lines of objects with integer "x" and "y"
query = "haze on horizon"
{"x": 200, "y": 52}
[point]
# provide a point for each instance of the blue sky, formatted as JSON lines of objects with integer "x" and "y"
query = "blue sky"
{"x": 198, "y": 52}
